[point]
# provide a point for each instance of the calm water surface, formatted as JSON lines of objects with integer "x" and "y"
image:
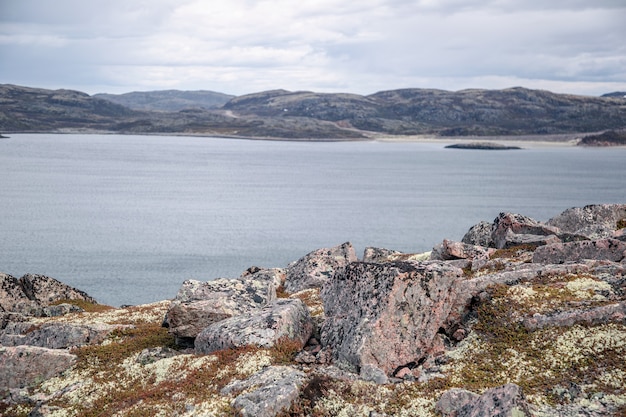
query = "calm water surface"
{"x": 128, "y": 218}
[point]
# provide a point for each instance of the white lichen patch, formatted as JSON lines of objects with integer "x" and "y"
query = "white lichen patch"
{"x": 613, "y": 378}
{"x": 419, "y": 407}
{"x": 334, "y": 404}
{"x": 521, "y": 293}
{"x": 252, "y": 362}
{"x": 587, "y": 287}
{"x": 579, "y": 342}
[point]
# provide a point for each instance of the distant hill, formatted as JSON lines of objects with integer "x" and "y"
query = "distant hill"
{"x": 616, "y": 94}
{"x": 38, "y": 109}
{"x": 320, "y": 116}
{"x": 513, "y": 111}
{"x": 168, "y": 100}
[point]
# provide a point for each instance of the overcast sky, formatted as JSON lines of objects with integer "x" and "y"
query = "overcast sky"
{"x": 364, "y": 46}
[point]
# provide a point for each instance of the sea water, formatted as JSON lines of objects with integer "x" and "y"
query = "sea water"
{"x": 128, "y": 218}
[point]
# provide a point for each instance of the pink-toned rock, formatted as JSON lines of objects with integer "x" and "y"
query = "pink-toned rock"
{"x": 21, "y": 366}
{"x": 507, "y": 225}
{"x": 282, "y": 319}
{"x": 10, "y": 292}
{"x": 315, "y": 268}
{"x": 382, "y": 317}
{"x": 454, "y": 400}
{"x": 451, "y": 250}
{"x": 603, "y": 249}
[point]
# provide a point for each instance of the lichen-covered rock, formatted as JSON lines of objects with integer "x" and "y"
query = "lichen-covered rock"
{"x": 507, "y": 225}
{"x": 282, "y": 319}
{"x": 29, "y": 294}
{"x": 386, "y": 315}
{"x": 451, "y": 250}
{"x": 597, "y": 221}
{"x": 56, "y": 335}
{"x": 505, "y": 401}
{"x": 45, "y": 290}
{"x": 199, "y": 304}
{"x": 21, "y": 366}
{"x": 593, "y": 316}
{"x": 315, "y": 268}
{"x": 380, "y": 255}
{"x": 479, "y": 235}
{"x": 268, "y": 392}
{"x": 12, "y": 295}
{"x": 603, "y": 249}
{"x": 372, "y": 254}
{"x": 274, "y": 275}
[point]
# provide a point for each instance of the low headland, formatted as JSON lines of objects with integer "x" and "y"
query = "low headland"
{"x": 518, "y": 318}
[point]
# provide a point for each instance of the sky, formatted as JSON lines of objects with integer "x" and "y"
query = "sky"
{"x": 245, "y": 46}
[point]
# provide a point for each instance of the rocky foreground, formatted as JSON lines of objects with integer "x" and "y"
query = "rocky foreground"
{"x": 520, "y": 318}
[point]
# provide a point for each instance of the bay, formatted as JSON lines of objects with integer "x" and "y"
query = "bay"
{"x": 129, "y": 218}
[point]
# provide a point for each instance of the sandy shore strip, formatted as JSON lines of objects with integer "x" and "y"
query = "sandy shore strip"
{"x": 523, "y": 141}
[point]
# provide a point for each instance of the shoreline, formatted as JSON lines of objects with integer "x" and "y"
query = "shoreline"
{"x": 523, "y": 141}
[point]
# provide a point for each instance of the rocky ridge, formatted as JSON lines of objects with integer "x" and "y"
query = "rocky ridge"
{"x": 306, "y": 115}
{"x": 518, "y": 318}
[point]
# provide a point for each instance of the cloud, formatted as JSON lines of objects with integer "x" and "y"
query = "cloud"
{"x": 242, "y": 46}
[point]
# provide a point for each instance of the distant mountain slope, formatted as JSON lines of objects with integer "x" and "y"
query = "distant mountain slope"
{"x": 616, "y": 94}
{"x": 38, "y": 109}
{"x": 310, "y": 115}
{"x": 467, "y": 112}
{"x": 168, "y": 100}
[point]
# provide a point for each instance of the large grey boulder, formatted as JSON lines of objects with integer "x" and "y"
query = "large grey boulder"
{"x": 200, "y": 304}
{"x": 282, "y": 319}
{"x": 315, "y": 268}
{"x": 603, "y": 249}
{"x": 21, "y": 366}
{"x": 266, "y": 393}
{"x": 384, "y": 317}
{"x": 597, "y": 221}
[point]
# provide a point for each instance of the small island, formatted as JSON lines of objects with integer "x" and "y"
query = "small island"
{"x": 490, "y": 146}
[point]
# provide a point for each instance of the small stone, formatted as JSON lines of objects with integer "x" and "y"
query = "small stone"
{"x": 459, "y": 335}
